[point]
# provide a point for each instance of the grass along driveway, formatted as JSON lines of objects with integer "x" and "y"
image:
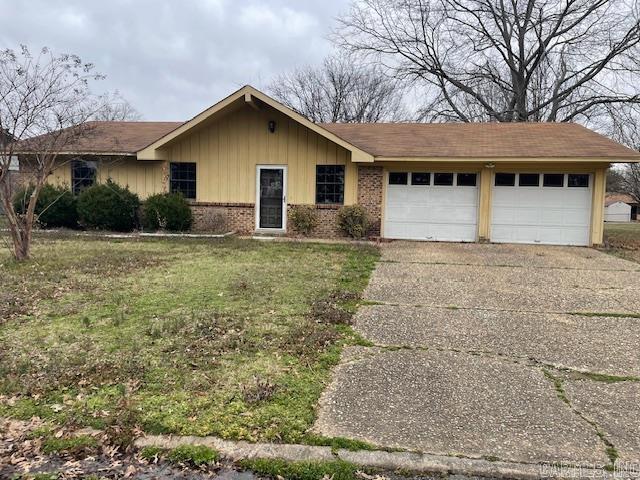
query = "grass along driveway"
{"x": 230, "y": 338}
{"x": 623, "y": 240}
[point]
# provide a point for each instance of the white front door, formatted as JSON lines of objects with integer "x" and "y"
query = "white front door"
{"x": 550, "y": 208}
{"x": 271, "y": 197}
{"x": 431, "y": 206}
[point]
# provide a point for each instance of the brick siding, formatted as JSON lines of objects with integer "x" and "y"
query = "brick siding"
{"x": 224, "y": 217}
{"x": 370, "y": 184}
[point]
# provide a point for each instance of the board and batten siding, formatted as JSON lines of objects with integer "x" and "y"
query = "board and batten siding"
{"x": 143, "y": 178}
{"x": 228, "y": 151}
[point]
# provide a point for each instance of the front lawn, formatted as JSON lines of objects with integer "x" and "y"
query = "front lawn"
{"x": 623, "y": 239}
{"x": 233, "y": 338}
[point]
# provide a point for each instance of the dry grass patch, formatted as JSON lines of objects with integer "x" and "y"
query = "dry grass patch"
{"x": 189, "y": 337}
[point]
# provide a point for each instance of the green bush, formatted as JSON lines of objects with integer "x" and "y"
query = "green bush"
{"x": 354, "y": 221}
{"x": 108, "y": 206}
{"x": 167, "y": 211}
{"x": 303, "y": 218}
{"x": 305, "y": 470}
{"x": 56, "y": 206}
{"x": 194, "y": 455}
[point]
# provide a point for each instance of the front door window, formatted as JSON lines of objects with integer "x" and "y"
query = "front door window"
{"x": 271, "y": 197}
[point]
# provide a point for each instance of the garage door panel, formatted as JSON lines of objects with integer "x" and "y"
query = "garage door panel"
{"x": 428, "y": 212}
{"x": 549, "y": 215}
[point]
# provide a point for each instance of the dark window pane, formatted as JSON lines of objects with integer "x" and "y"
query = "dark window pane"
{"x": 398, "y": 178}
{"x": 505, "y": 179}
{"x": 553, "y": 180}
{"x": 330, "y": 184}
{"x": 83, "y": 175}
{"x": 419, "y": 178}
{"x": 578, "y": 180}
{"x": 443, "y": 178}
{"x": 182, "y": 179}
{"x": 529, "y": 180}
{"x": 467, "y": 179}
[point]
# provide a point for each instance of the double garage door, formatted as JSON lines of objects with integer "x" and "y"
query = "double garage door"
{"x": 552, "y": 208}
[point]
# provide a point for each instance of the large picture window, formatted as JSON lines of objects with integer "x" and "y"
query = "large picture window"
{"x": 330, "y": 184}
{"x": 183, "y": 179}
{"x": 83, "y": 175}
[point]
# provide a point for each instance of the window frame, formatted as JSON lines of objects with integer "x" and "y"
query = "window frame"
{"x": 520, "y": 185}
{"x": 338, "y": 196}
{"x": 544, "y": 180}
{"x": 405, "y": 175}
{"x": 475, "y": 179}
{"x": 512, "y": 176}
{"x": 584, "y": 175}
{"x": 453, "y": 180}
{"x": 80, "y": 184}
{"x": 423, "y": 184}
{"x": 176, "y": 181}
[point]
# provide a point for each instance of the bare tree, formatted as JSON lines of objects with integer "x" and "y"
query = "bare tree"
{"x": 44, "y": 104}
{"x": 616, "y": 180}
{"x": 341, "y": 91}
{"x": 116, "y": 109}
{"x": 504, "y": 60}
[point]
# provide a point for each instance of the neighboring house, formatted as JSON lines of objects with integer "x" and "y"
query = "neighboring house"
{"x": 248, "y": 158}
{"x": 620, "y": 207}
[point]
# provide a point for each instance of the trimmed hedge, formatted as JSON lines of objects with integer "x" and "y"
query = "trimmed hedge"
{"x": 167, "y": 211}
{"x": 304, "y": 218}
{"x": 108, "y": 206}
{"x": 56, "y": 206}
{"x": 354, "y": 221}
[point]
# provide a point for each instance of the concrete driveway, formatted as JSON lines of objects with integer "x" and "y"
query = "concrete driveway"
{"x": 519, "y": 353}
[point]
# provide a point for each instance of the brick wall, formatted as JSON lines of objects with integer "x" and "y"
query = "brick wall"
{"x": 224, "y": 217}
{"x": 370, "y": 184}
{"x": 327, "y": 225}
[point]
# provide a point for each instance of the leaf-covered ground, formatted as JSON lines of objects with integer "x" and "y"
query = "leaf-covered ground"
{"x": 233, "y": 338}
{"x": 623, "y": 239}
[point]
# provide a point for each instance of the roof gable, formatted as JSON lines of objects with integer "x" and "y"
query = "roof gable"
{"x": 246, "y": 94}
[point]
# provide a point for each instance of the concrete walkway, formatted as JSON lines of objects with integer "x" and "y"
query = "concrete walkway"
{"x": 519, "y": 353}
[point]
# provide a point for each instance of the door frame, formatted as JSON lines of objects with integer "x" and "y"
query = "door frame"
{"x": 259, "y": 168}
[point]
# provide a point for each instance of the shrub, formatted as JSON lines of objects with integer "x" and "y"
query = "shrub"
{"x": 167, "y": 211}
{"x": 55, "y": 207}
{"x": 194, "y": 455}
{"x": 108, "y": 206}
{"x": 304, "y": 218}
{"x": 353, "y": 220}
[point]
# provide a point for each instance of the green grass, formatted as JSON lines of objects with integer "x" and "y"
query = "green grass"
{"x": 68, "y": 444}
{"x": 193, "y": 455}
{"x": 276, "y": 468}
{"x": 233, "y": 338}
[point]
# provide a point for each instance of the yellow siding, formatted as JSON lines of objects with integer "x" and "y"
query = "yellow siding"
{"x": 228, "y": 151}
{"x": 143, "y": 178}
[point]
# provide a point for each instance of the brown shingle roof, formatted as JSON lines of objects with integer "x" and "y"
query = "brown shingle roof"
{"x": 612, "y": 198}
{"x": 114, "y": 137}
{"x": 480, "y": 140}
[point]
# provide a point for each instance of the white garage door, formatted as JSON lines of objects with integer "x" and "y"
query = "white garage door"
{"x": 431, "y": 206}
{"x": 551, "y": 208}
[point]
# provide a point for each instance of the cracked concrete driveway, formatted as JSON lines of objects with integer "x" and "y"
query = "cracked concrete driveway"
{"x": 519, "y": 353}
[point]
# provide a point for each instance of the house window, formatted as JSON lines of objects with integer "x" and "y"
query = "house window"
{"x": 83, "y": 175}
{"x": 330, "y": 184}
{"x": 529, "y": 180}
{"x": 578, "y": 180}
{"x": 505, "y": 179}
{"x": 553, "y": 180}
{"x": 467, "y": 179}
{"x": 420, "y": 178}
{"x": 443, "y": 179}
{"x": 398, "y": 178}
{"x": 182, "y": 179}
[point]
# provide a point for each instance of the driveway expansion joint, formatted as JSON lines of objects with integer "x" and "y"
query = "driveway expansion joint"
{"x": 534, "y": 267}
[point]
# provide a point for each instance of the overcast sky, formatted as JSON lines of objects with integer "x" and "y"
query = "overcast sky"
{"x": 173, "y": 58}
